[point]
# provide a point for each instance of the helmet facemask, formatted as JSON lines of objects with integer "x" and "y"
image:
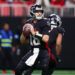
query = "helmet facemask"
{"x": 35, "y": 9}
{"x": 38, "y": 17}
{"x": 55, "y": 20}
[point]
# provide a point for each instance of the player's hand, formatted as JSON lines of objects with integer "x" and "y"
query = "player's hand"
{"x": 26, "y": 25}
{"x": 30, "y": 27}
{"x": 32, "y": 30}
{"x": 58, "y": 59}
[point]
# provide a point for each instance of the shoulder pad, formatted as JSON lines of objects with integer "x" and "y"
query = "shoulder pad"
{"x": 60, "y": 29}
{"x": 29, "y": 20}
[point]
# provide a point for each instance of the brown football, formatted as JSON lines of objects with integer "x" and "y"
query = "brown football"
{"x": 26, "y": 31}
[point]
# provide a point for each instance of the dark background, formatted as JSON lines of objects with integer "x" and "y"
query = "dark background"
{"x": 68, "y": 48}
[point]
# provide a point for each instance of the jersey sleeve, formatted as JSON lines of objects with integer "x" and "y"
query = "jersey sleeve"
{"x": 45, "y": 28}
{"x": 54, "y": 33}
{"x": 29, "y": 21}
{"x": 60, "y": 30}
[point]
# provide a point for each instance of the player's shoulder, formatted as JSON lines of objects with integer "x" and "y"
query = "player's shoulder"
{"x": 60, "y": 29}
{"x": 44, "y": 22}
{"x": 29, "y": 20}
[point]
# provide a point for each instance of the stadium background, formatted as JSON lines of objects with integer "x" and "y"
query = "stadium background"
{"x": 14, "y": 17}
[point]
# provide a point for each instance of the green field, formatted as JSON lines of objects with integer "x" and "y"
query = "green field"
{"x": 57, "y": 72}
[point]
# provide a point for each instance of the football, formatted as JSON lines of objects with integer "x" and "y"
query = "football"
{"x": 26, "y": 31}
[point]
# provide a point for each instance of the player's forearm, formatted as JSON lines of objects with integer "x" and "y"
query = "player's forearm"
{"x": 23, "y": 39}
{"x": 42, "y": 37}
{"x": 58, "y": 50}
{"x": 58, "y": 44}
{"x": 38, "y": 35}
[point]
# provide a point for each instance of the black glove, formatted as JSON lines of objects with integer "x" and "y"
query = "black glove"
{"x": 58, "y": 59}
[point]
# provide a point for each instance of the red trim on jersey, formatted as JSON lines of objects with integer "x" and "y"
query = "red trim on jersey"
{"x": 50, "y": 52}
{"x": 51, "y": 30}
{"x": 35, "y": 29}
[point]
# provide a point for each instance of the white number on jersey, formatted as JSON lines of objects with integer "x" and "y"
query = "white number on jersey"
{"x": 34, "y": 41}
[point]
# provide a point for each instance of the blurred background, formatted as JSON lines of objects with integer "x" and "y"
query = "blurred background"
{"x": 13, "y": 15}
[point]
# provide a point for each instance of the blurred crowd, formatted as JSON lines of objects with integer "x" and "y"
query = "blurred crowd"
{"x": 16, "y": 0}
{"x": 45, "y": 2}
{"x": 52, "y": 6}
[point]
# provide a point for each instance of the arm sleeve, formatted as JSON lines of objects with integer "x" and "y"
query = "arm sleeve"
{"x": 60, "y": 30}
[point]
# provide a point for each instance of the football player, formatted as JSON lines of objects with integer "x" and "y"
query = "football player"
{"x": 39, "y": 50}
{"x": 54, "y": 40}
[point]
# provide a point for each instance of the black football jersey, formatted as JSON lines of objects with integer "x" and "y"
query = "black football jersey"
{"x": 42, "y": 27}
{"x": 54, "y": 33}
{"x": 53, "y": 36}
